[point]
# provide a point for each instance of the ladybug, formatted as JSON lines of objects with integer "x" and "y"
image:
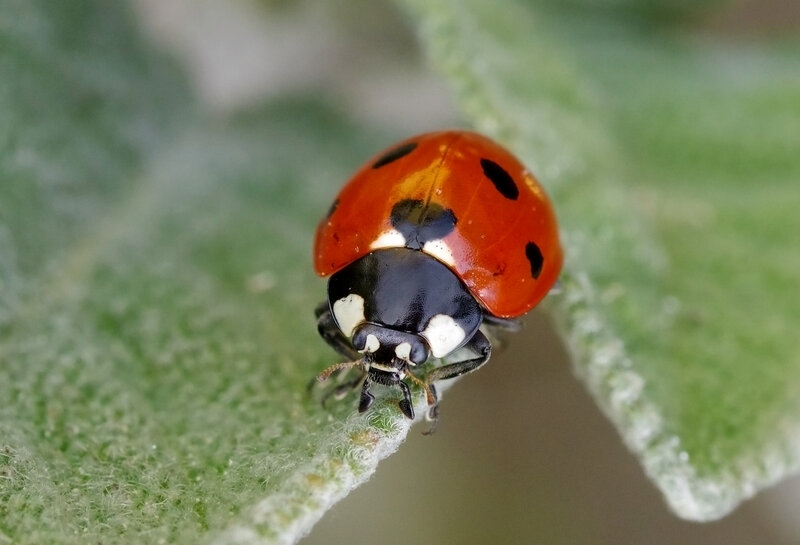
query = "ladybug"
{"x": 428, "y": 241}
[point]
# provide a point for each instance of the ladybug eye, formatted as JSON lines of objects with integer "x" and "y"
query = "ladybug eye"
{"x": 419, "y": 352}
{"x": 360, "y": 339}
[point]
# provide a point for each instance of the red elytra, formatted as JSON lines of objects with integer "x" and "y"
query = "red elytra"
{"x": 505, "y": 245}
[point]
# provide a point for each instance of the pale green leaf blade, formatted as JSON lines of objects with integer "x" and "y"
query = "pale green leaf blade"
{"x": 156, "y": 297}
{"x": 672, "y": 160}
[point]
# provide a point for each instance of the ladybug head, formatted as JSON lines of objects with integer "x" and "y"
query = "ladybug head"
{"x": 389, "y": 350}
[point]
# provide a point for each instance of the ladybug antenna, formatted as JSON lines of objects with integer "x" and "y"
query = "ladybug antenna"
{"x": 336, "y": 367}
{"x": 430, "y": 395}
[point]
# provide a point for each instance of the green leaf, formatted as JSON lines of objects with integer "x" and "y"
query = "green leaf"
{"x": 156, "y": 297}
{"x": 656, "y": 12}
{"x": 156, "y": 335}
{"x": 671, "y": 154}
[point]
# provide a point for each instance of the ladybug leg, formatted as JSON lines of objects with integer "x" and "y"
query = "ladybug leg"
{"x": 367, "y": 399}
{"x": 509, "y": 324}
{"x": 496, "y": 328}
{"x": 432, "y": 415}
{"x": 479, "y": 344}
{"x": 405, "y": 404}
{"x": 342, "y": 389}
{"x": 331, "y": 333}
{"x": 321, "y": 308}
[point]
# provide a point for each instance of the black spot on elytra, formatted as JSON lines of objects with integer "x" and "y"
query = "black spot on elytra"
{"x": 333, "y": 208}
{"x": 420, "y": 222}
{"x": 395, "y": 154}
{"x": 534, "y": 255}
{"x": 501, "y": 179}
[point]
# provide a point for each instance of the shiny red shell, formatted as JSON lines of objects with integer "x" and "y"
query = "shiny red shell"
{"x": 505, "y": 244}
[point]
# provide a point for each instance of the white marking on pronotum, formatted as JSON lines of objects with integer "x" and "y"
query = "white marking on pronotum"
{"x": 389, "y": 239}
{"x": 440, "y": 250}
{"x": 403, "y": 351}
{"x": 349, "y": 312}
{"x": 443, "y": 335}
{"x": 372, "y": 343}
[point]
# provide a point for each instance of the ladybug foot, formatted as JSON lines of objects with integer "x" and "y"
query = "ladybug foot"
{"x": 405, "y": 404}
{"x": 432, "y": 416}
{"x": 407, "y": 408}
{"x": 337, "y": 393}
